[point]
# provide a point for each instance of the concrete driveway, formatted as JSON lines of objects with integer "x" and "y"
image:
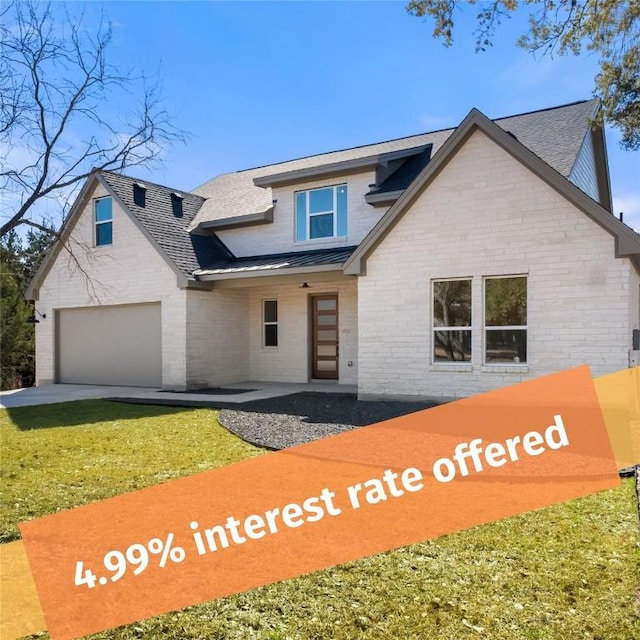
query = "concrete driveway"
{"x": 50, "y": 393}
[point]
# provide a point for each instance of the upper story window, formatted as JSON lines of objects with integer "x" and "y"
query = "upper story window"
{"x": 321, "y": 213}
{"x": 103, "y": 221}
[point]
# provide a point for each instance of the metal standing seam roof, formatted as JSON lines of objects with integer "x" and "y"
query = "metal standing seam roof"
{"x": 279, "y": 261}
{"x": 555, "y": 135}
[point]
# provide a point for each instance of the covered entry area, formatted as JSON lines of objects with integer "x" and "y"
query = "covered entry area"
{"x": 110, "y": 345}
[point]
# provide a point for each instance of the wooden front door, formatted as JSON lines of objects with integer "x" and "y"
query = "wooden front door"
{"x": 324, "y": 330}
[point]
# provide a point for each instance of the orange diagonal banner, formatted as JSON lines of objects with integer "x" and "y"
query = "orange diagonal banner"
{"x": 328, "y": 502}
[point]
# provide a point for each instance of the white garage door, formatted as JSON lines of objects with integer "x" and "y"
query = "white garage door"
{"x": 119, "y": 345}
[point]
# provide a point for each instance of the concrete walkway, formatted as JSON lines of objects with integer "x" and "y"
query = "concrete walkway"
{"x": 51, "y": 393}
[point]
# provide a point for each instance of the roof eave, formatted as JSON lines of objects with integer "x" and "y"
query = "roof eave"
{"x": 602, "y": 167}
{"x": 234, "y": 222}
{"x": 334, "y": 168}
{"x": 203, "y": 276}
{"x": 627, "y": 242}
{"x": 355, "y": 265}
{"x": 385, "y": 199}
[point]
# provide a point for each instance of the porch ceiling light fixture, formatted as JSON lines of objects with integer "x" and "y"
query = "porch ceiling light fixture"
{"x": 305, "y": 285}
{"x": 33, "y": 319}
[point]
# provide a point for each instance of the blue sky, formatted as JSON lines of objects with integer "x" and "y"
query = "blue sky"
{"x": 260, "y": 82}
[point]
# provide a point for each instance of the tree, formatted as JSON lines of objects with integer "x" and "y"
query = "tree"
{"x": 18, "y": 262}
{"x": 59, "y": 98}
{"x": 608, "y": 28}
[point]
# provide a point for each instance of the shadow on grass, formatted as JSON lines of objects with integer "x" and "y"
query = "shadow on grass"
{"x": 82, "y": 412}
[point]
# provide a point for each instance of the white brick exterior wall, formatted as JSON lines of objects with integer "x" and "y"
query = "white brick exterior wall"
{"x": 125, "y": 272}
{"x": 209, "y": 338}
{"x": 279, "y": 236}
{"x": 290, "y": 361}
{"x": 634, "y": 302}
{"x": 217, "y": 329}
{"x": 486, "y": 214}
{"x": 225, "y": 344}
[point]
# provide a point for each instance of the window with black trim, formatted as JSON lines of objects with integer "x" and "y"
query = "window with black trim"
{"x": 270, "y": 323}
{"x": 505, "y": 320}
{"x": 103, "y": 212}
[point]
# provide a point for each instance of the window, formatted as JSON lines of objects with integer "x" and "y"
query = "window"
{"x": 452, "y": 321}
{"x": 321, "y": 213}
{"x": 505, "y": 320}
{"x": 270, "y": 323}
{"x": 104, "y": 222}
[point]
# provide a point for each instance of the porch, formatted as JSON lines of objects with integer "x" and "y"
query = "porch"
{"x": 299, "y": 329}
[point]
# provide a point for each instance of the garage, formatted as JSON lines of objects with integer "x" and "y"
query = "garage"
{"x": 112, "y": 345}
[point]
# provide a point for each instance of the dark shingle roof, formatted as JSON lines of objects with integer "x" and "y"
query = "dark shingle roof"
{"x": 554, "y": 135}
{"x": 402, "y": 177}
{"x": 275, "y": 261}
{"x": 187, "y": 251}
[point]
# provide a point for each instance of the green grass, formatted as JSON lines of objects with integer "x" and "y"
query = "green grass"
{"x": 568, "y": 571}
{"x": 59, "y": 456}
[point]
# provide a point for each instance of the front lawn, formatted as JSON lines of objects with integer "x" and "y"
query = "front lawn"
{"x": 568, "y": 571}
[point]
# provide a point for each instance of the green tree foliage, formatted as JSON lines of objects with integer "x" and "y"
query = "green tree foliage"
{"x": 18, "y": 262}
{"x": 505, "y": 302}
{"x": 608, "y": 28}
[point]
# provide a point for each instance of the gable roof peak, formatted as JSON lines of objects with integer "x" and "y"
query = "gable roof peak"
{"x": 627, "y": 243}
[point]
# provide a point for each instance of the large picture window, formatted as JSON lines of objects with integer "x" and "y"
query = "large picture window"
{"x": 321, "y": 213}
{"x": 270, "y": 323}
{"x": 505, "y": 320}
{"x": 103, "y": 221}
{"x": 452, "y": 321}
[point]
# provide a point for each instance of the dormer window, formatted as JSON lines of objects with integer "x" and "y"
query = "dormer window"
{"x": 176, "y": 204}
{"x": 139, "y": 194}
{"x": 103, "y": 221}
{"x": 321, "y": 213}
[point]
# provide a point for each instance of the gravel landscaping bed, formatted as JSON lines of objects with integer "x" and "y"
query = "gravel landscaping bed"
{"x": 286, "y": 421}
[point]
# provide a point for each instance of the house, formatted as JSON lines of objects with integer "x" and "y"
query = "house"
{"x": 439, "y": 265}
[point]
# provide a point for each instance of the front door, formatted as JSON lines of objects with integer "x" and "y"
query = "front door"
{"x": 324, "y": 329}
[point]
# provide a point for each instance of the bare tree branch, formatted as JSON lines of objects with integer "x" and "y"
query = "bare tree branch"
{"x": 60, "y": 106}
